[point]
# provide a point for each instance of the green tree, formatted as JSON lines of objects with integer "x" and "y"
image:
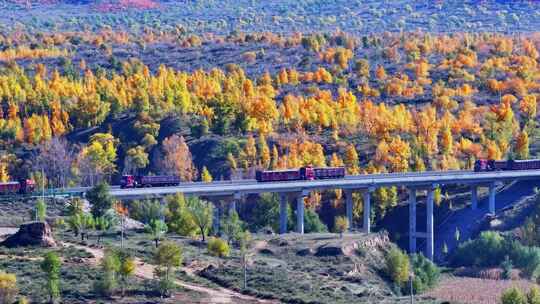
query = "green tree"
{"x": 110, "y": 266}
{"x": 231, "y": 227}
{"x": 245, "y": 241}
{"x": 80, "y": 224}
{"x": 178, "y": 216}
{"x": 341, "y": 224}
{"x": 426, "y": 274}
{"x": 102, "y": 224}
{"x": 157, "y": 229}
{"x": 202, "y": 213}
{"x": 513, "y": 296}
{"x": 51, "y": 266}
{"x": 99, "y": 199}
{"x": 313, "y": 223}
{"x": 40, "y": 210}
{"x": 167, "y": 257}
{"x": 397, "y": 266}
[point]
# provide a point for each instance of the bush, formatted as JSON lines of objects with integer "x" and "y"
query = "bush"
{"x": 312, "y": 222}
{"x": 218, "y": 247}
{"x": 513, "y": 296}
{"x": 8, "y": 288}
{"x": 487, "y": 250}
{"x": 533, "y": 296}
{"x": 341, "y": 224}
{"x": 426, "y": 274}
{"x": 397, "y": 266}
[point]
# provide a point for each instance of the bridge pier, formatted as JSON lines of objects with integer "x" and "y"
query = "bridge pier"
{"x": 366, "y": 196}
{"x": 429, "y": 224}
{"x": 236, "y": 198}
{"x": 412, "y": 220}
{"x": 282, "y": 213}
{"x": 474, "y": 197}
{"x": 300, "y": 212}
{"x": 349, "y": 207}
{"x": 492, "y": 198}
{"x": 216, "y": 217}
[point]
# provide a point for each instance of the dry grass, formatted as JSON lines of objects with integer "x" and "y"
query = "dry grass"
{"x": 474, "y": 290}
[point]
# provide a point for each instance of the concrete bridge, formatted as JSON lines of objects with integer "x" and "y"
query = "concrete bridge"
{"x": 417, "y": 181}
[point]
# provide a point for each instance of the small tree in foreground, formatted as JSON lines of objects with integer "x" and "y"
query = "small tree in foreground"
{"x": 245, "y": 242}
{"x": 40, "y": 210}
{"x": 201, "y": 213}
{"x": 513, "y": 296}
{"x": 157, "y": 229}
{"x": 167, "y": 257}
{"x": 397, "y": 266}
{"x": 126, "y": 269}
{"x": 8, "y": 287}
{"x": 110, "y": 266}
{"x": 341, "y": 225}
{"x": 51, "y": 266}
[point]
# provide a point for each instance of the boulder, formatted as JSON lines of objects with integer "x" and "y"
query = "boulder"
{"x": 304, "y": 252}
{"x": 329, "y": 250}
{"x": 31, "y": 234}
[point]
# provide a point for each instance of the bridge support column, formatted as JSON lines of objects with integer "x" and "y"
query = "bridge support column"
{"x": 492, "y": 198}
{"x": 349, "y": 207}
{"x": 366, "y": 196}
{"x": 412, "y": 220}
{"x": 300, "y": 212}
{"x": 236, "y": 199}
{"x": 474, "y": 197}
{"x": 282, "y": 213}
{"x": 216, "y": 218}
{"x": 429, "y": 224}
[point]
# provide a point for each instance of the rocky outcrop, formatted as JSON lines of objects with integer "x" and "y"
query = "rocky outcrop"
{"x": 31, "y": 234}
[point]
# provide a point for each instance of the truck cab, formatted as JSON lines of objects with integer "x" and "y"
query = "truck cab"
{"x": 307, "y": 173}
{"x": 128, "y": 181}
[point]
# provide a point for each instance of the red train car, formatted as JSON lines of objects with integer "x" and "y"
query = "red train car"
{"x": 140, "y": 181}
{"x": 486, "y": 165}
{"x": 304, "y": 173}
{"x": 24, "y": 186}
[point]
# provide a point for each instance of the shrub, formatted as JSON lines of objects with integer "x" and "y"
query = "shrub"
{"x": 313, "y": 223}
{"x": 341, "y": 224}
{"x": 426, "y": 274}
{"x": 218, "y": 247}
{"x": 513, "y": 296}
{"x": 8, "y": 287}
{"x": 533, "y": 296}
{"x": 486, "y": 250}
{"x": 397, "y": 266}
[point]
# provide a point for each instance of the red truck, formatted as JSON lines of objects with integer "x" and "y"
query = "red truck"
{"x": 23, "y": 186}
{"x": 140, "y": 181}
{"x": 486, "y": 165}
{"x": 304, "y": 173}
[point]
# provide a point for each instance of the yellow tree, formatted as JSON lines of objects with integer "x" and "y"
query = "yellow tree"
{"x": 522, "y": 145}
{"x": 351, "y": 160}
{"x": 205, "y": 175}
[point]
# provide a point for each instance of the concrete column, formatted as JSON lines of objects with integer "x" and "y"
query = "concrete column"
{"x": 474, "y": 197}
{"x": 232, "y": 206}
{"x": 349, "y": 207}
{"x": 282, "y": 213}
{"x": 429, "y": 224}
{"x": 366, "y": 195}
{"x": 412, "y": 220}
{"x": 492, "y": 199}
{"x": 216, "y": 219}
{"x": 300, "y": 212}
